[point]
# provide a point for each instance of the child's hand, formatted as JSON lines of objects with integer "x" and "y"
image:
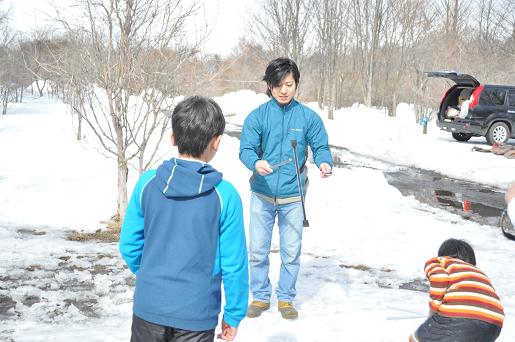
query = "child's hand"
{"x": 228, "y": 333}
{"x": 325, "y": 170}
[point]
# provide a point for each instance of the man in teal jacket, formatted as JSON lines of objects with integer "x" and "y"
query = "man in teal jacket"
{"x": 266, "y": 149}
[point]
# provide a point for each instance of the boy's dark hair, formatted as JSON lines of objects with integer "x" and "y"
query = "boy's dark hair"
{"x": 277, "y": 69}
{"x": 195, "y": 122}
{"x": 459, "y": 249}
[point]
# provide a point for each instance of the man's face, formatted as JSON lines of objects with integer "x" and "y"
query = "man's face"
{"x": 284, "y": 92}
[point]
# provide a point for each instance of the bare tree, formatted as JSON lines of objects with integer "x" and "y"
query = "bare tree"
{"x": 454, "y": 16}
{"x": 282, "y": 27}
{"x": 486, "y": 23}
{"x": 37, "y": 52}
{"x": 368, "y": 19}
{"x": 408, "y": 25}
{"x": 331, "y": 32}
{"x": 505, "y": 26}
{"x": 130, "y": 58}
{"x": 7, "y": 38}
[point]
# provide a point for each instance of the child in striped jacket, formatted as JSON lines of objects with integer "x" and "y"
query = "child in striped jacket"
{"x": 463, "y": 303}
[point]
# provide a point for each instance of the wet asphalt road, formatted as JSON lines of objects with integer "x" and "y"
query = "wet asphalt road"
{"x": 472, "y": 201}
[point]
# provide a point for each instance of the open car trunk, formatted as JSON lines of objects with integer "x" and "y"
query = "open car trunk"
{"x": 452, "y": 101}
{"x": 465, "y": 85}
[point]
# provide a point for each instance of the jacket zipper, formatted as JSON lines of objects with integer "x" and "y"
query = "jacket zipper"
{"x": 280, "y": 152}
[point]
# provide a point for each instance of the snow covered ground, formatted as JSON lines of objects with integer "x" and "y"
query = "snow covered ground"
{"x": 361, "y": 277}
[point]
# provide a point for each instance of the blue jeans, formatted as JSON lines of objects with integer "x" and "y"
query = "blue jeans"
{"x": 262, "y": 219}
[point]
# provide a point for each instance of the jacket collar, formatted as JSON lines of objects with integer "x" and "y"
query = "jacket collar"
{"x": 283, "y": 107}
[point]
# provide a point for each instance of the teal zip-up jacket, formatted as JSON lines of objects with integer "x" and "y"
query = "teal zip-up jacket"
{"x": 267, "y": 134}
{"x": 183, "y": 236}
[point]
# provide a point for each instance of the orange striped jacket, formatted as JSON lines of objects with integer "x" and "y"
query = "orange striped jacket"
{"x": 459, "y": 289}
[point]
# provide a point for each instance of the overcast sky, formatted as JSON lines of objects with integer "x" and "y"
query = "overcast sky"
{"x": 226, "y": 17}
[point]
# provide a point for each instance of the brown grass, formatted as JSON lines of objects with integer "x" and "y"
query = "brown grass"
{"x": 111, "y": 233}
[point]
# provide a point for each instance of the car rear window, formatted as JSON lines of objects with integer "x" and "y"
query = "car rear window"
{"x": 492, "y": 97}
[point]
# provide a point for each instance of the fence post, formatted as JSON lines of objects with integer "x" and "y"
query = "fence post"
{"x": 423, "y": 122}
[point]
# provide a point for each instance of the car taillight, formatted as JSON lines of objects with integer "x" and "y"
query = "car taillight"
{"x": 475, "y": 96}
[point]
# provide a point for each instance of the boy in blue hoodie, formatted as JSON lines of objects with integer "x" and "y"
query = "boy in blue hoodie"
{"x": 183, "y": 235}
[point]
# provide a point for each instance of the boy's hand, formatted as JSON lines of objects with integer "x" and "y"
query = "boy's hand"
{"x": 228, "y": 333}
{"x": 263, "y": 168}
{"x": 325, "y": 170}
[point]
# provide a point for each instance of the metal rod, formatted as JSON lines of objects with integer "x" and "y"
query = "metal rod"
{"x": 305, "y": 223}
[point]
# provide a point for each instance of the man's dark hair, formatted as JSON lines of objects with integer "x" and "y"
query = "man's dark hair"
{"x": 195, "y": 122}
{"x": 277, "y": 70}
{"x": 459, "y": 249}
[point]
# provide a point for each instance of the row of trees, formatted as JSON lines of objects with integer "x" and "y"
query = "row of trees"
{"x": 19, "y": 67}
{"x": 375, "y": 51}
{"x": 120, "y": 63}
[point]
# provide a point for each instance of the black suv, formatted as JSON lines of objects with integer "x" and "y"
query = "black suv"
{"x": 491, "y": 109}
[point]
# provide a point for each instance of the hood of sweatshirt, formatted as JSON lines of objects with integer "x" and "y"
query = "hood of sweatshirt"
{"x": 178, "y": 178}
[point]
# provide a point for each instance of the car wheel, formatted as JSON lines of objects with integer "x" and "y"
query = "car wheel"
{"x": 462, "y": 136}
{"x": 506, "y": 226}
{"x": 498, "y": 133}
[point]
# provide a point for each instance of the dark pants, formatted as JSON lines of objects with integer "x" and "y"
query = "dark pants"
{"x": 143, "y": 331}
{"x": 448, "y": 329}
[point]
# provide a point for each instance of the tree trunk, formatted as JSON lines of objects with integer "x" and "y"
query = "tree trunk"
{"x": 332, "y": 96}
{"x": 370, "y": 81}
{"x": 141, "y": 159}
{"x": 4, "y": 98}
{"x": 330, "y": 112}
{"x": 123, "y": 173}
{"x": 393, "y": 104}
{"x": 79, "y": 127}
{"x": 40, "y": 89}
{"x": 79, "y": 119}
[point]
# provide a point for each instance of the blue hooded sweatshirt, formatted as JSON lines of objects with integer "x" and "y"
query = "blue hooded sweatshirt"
{"x": 267, "y": 134}
{"x": 182, "y": 235}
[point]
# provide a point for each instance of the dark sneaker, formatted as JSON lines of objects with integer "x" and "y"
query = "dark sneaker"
{"x": 287, "y": 310}
{"x": 256, "y": 308}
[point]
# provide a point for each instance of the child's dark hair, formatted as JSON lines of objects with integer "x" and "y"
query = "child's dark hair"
{"x": 195, "y": 122}
{"x": 277, "y": 69}
{"x": 459, "y": 249}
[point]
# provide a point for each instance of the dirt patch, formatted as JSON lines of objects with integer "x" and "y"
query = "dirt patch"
{"x": 356, "y": 267}
{"x": 30, "y": 300}
{"x": 415, "y": 285}
{"x": 110, "y": 234}
{"x": 6, "y": 304}
{"x": 32, "y": 268}
{"x": 6, "y": 279}
{"x": 86, "y": 306}
{"x": 130, "y": 281}
{"x": 25, "y": 231}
